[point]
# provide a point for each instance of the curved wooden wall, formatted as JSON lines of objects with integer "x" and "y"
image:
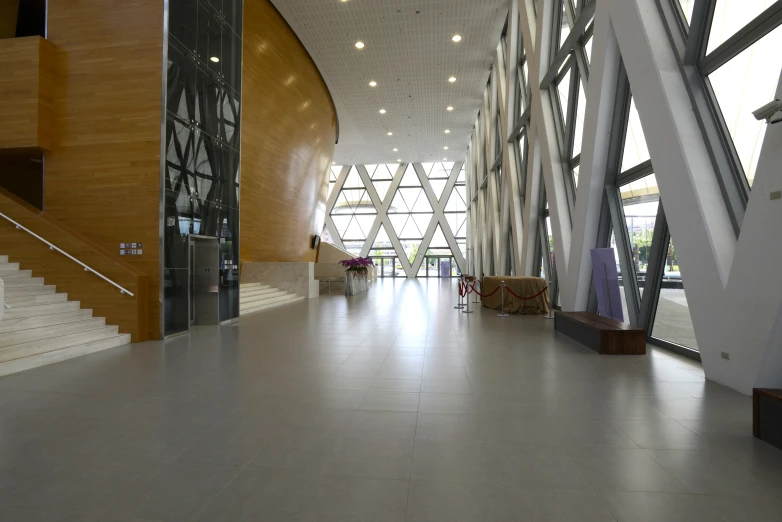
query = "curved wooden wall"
{"x": 288, "y": 136}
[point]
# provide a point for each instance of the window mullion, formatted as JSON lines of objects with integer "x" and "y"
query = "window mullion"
{"x": 698, "y": 35}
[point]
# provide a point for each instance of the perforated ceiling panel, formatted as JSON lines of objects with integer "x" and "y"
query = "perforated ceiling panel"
{"x": 409, "y": 53}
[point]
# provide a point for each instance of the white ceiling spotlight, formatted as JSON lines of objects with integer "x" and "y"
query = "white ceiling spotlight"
{"x": 359, "y": 45}
{"x": 389, "y": 134}
{"x": 447, "y": 131}
{"x": 382, "y": 111}
{"x": 452, "y": 79}
{"x": 456, "y": 37}
{"x": 399, "y": 160}
{"x": 449, "y": 108}
{"x": 395, "y": 150}
{"x": 215, "y": 59}
{"x": 445, "y": 159}
{"x": 373, "y": 83}
{"x": 445, "y": 148}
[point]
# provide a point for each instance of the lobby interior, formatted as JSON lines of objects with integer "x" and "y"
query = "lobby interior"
{"x": 176, "y": 342}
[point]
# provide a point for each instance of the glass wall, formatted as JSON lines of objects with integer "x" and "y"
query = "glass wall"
{"x": 672, "y": 320}
{"x": 202, "y": 136}
{"x": 385, "y": 211}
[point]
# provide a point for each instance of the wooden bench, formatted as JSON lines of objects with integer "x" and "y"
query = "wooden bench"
{"x": 767, "y": 415}
{"x": 602, "y": 334}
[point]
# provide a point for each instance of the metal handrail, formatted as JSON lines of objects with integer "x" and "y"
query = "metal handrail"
{"x": 66, "y": 254}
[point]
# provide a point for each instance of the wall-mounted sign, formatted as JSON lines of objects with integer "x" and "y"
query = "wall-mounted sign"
{"x": 131, "y": 249}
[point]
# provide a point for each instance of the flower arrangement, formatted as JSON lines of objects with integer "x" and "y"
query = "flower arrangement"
{"x": 358, "y": 264}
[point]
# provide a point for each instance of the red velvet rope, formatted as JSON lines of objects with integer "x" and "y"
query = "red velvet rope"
{"x": 484, "y": 295}
{"x": 462, "y": 289}
{"x": 525, "y": 298}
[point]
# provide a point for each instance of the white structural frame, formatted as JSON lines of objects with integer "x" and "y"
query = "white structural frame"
{"x": 727, "y": 237}
{"x": 382, "y": 207}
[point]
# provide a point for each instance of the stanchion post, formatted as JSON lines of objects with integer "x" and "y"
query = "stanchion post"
{"x": 460, "y": 300}
{"x": 550, "y": 304}
{"x": 468, "y": 311}
{"x": 502, "y": 300}
{"x": 476, "y": 293}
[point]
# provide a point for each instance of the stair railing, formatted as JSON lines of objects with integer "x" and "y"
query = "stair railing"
{"x": 66, "y": 254}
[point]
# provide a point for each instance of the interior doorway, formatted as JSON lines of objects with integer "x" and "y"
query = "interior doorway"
{"x": 204, "y": 254}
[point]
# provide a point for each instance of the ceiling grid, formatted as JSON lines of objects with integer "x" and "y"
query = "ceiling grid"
{"x": 409, "y": 53}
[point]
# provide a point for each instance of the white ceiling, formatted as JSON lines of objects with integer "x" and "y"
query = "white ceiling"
{"x": 409, "y": 53}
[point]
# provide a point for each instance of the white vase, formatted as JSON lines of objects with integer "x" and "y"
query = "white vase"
{"x": 355, "y": 282}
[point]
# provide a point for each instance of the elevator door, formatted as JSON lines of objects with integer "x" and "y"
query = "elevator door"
{"x": 204, "y": 280}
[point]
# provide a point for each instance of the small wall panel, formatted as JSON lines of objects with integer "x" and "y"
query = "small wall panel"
{"x": 27, "y": 82}
{"x": 288, "y": 138}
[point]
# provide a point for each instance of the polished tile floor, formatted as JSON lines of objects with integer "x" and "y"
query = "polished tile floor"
{"x": 390, "y": 406}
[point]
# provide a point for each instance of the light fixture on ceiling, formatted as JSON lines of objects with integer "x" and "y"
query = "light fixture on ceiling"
{"x": 382, "y": 111}
{"x": 445, "y": 148}
{"x": 445, "y": 159}
{"x": 447, "y": 131}
{"x": 373, "y": 83}
{"x": 399, "y": 160}
{"x": 359, "y": 45}
{"x": 214, "y": 59}
{"x": 456, "y": 38}
{"x": 452, "y": 79}
{"x": 395, "y": 150}
{"x": 449, "y": 108}
{"x": 389, "y": 133}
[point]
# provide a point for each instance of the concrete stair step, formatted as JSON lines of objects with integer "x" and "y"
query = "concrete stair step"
{"x": 31, "y": 348}
{"x": 252, "y": 285}
{"x": 22, "y": 282}
{"x": 30, "y": 290}
{"x": 26, "y": 323}
{"x": 8, "y": 267}
{"x": 29, "y": 300}
{"x": 253, "y": 293}
{"x": 271, "y": 303}
{"x": 48, "y": 332}
{"x": 42, "y": 309}
{"x": 42, "y": 359}
{"x": 248, "y": 301}
{"x": 16, "y": 274}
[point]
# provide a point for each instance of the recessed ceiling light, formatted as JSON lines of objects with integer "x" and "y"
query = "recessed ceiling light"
{"x": 390, "y": 133}
{"x": 215, "y": 59}
{"x": 373, "y": 83}
{"x": 445, "y": 148}
{"x": 445, "y": 159}
{"x": 359, "y": 45}
{"x": 449, "y": 108}
{"x": 395, "y": 150}
{"x": 382, "y": 111}
{"x": 333, "y": 162}
{"x": 452, "y": 79}
{"x": 399, "y": 161}
{"x": 456, "y": 37}
{"x": 447, "y": 131}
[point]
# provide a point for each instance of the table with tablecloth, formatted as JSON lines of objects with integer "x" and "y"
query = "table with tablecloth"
{"x": 521, "y": 286}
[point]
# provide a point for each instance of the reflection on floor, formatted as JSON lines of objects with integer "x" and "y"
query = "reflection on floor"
{"x": 388, "y": 406}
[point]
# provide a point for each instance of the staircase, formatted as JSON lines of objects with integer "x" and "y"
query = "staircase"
{"x": 254, "y": 297}
{"x": 41, "y": 327}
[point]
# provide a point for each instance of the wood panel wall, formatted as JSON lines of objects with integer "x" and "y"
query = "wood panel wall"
{"x": 27, "y": 85}
{"x": 103, "y": 178}
{"x": 288, "y": 137}
{"x": 128, "y": 312}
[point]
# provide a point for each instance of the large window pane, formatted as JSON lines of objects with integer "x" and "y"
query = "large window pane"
{"x": 742, "y": 85}
{"x": 580, "y": 114}
{"x": 732, "y": 15}
{"x": 640, "y": 201}
{"x": 672, "y": 321}
{"x": 635, "y": 151}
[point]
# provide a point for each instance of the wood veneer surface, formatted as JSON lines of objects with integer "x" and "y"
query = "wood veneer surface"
{"x": 103, "y": 178}
{"x": 288, "y": 136}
